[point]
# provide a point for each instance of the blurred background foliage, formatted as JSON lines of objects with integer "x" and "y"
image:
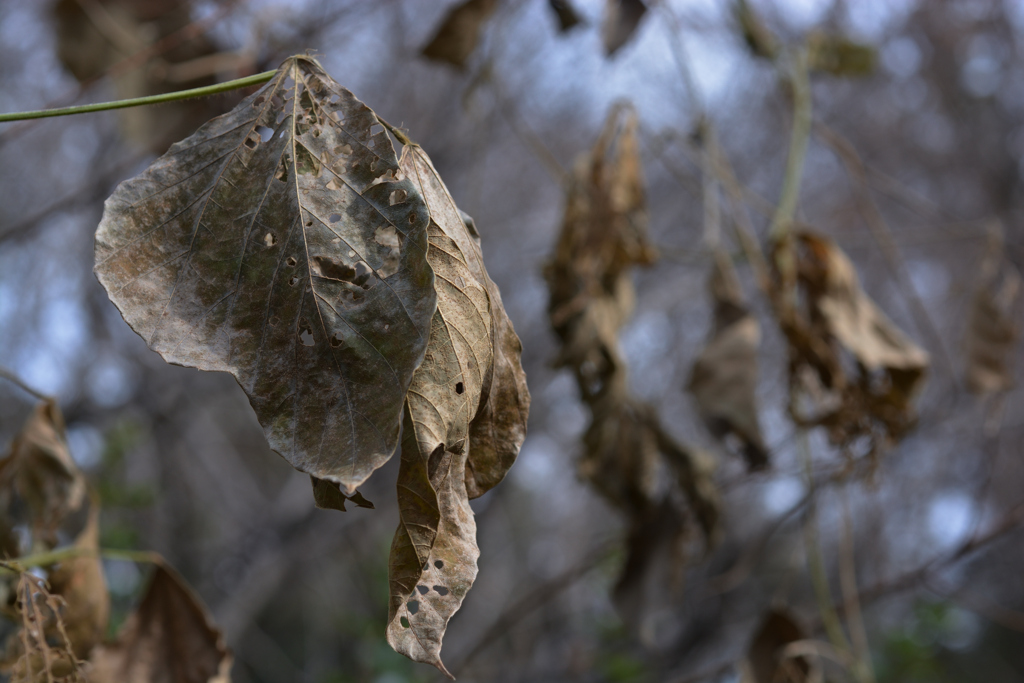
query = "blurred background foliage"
{"x": 936, "y": 114}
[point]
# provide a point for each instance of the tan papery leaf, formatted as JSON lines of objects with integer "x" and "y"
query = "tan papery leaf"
{"x": 434, "y": 552}
{"x": 764, "y": 662}
{"x": 281, "y": 243}
{"x": 621, "y": 19}
{"x": 170, "y": 638}
{"x": 723, "y": 379}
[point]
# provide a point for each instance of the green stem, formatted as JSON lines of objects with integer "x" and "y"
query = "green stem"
{"x": 140, "y": 101}
{"x": 56, "y": 556}
{"x": 782, "y": 221}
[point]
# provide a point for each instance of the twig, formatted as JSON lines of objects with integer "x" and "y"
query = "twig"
{"x": 141, "y": 101}
{"x": 20, "y": 383}
{"x": 862, "y": 668}
{"x": 786, "y": 210}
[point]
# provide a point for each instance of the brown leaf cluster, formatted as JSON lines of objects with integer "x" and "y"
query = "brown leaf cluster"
{"x": 460, "y": 32}
{"x": 767, "y": 660}
{"x": 286, "y": 243}
{"x": 62, "y": 618}
{"x": 851, "y": 370}
{"x": 626, "y": 450}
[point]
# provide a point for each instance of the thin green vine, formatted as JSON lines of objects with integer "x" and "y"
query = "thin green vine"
{"x": 257, "y": 79}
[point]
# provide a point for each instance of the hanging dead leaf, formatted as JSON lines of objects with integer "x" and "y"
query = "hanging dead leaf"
{"x": 433, "y": 556}
{"x": 993, "y": 327}
{"x": 281, "y": 243}
{"x": 170, "y": 638}
{"x": 39, "y": 472}
{"x": 568, "y": 17}
{"x": 81, "y": 584}
{"x": 723, "y": 379}
{"x": 758, "y": 37}
{"x": 836, "y": 317}
{"x": 621, "y": 19}
{"x": 765, "y": 663}
{"x": 460, "y": 32}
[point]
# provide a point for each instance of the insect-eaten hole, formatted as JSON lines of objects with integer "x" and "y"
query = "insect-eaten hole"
{"x": 376, "y": 128}
{"x": 412, "y": 219}
{"x": 404, "y": 622}
{"x": 291, "y": 261}
{"x": 336, "y": 340}
{"x": 265, "y": 133}
{"x": 334, "y": 218}
{"x": 459, "y": 387}
{"x": 414, "y": 606}
{"x": 441, "y": 590}
{"x": 282, "y": 172}
{"x": 423, "y": 589}
{"x": 258, "y": 101}
{"x": 306, "y": 336}
{"x": 397, "y": 197}
{"x": 439, "y": 564}
{"x": 345, "y": 149}
{"x": 269, "y": 239}
{"x": 309, "y": 224}
{"x": 293, "y": 281}
{"x": 251, "y": 142}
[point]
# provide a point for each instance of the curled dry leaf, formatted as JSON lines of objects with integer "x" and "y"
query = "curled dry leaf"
{"x": 170, "y": 638}
{"x": 625, "y": 447}
{"x": 993, "y": 328}
{"x": 765, "y": 662}
{"x": 460, "y": 32}
{"x": 568, "y": 17}
{"x": 723, "y": 379}
{"x": 81, "y": 584}
{"x": 835, "y": 318}
{"x": 281, "y": 243}
{"x": 621, "y": 19}
{"x": 434, "y": 552}
{"x": 40, "y": 473}
{"x": 327, "y": 495}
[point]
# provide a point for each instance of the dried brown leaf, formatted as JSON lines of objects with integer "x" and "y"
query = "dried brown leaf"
{"x": 460, "y": 32}
{"x": 81, "y": 584}
{"x": 170, "y": 638}
{"x": 568, "y": 17}
{"x": 327, "y": 495}
{"x": 838, "y": 319}
{"x": 621, "y": 19}
{"x": 40, "y": 472}
{"x": 434, "y": 552}
{"x": 281, "y": 243}
{"x": 764, "y": 658}
{"x": 993, "y": 328}
{"x": 723, "y": 379}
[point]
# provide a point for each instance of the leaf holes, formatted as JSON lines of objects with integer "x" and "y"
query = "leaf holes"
{"x": 265, "y": 133}
{"x": 459, "y": 388}
{"x": 306, "y": 337}
{"x": 376, "y": 128}
{"x": 404, "y": 622}
{"x": 334, "y": 217}
{"x": 345, "y": 149}
{"x": 291, "y": 261}
{"x": 258, "y": 101}
{"x": 269, "y": 239}
{"x": 397, "y": 197}
{"x": 294, "y": 281}
{"x": 441, "y": 590}
{"x": 250, "y": 142}
{"x": 412, "y": 219}
{"x": 309, "y": 224}
{"x": 439, "y": 564}
{"x": 334, "y": 99}
{"x": 387, "y": 327}
{"x": 423, "y": 589}
{"x": 414, "y": 606}
{"x": 336, "y": 340}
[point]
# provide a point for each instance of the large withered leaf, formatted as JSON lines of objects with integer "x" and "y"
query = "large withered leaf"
{"x": 568, "y": 17}
{"x": 170, "y": 638}
{"x": 621, "y": 19}
{"x": 460, "y": 32}
{"x": 279, "y": 243}
{"x": 434, "y": 552}
{"x": 723, "y": 379}
{"x": 40, "y": 472}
